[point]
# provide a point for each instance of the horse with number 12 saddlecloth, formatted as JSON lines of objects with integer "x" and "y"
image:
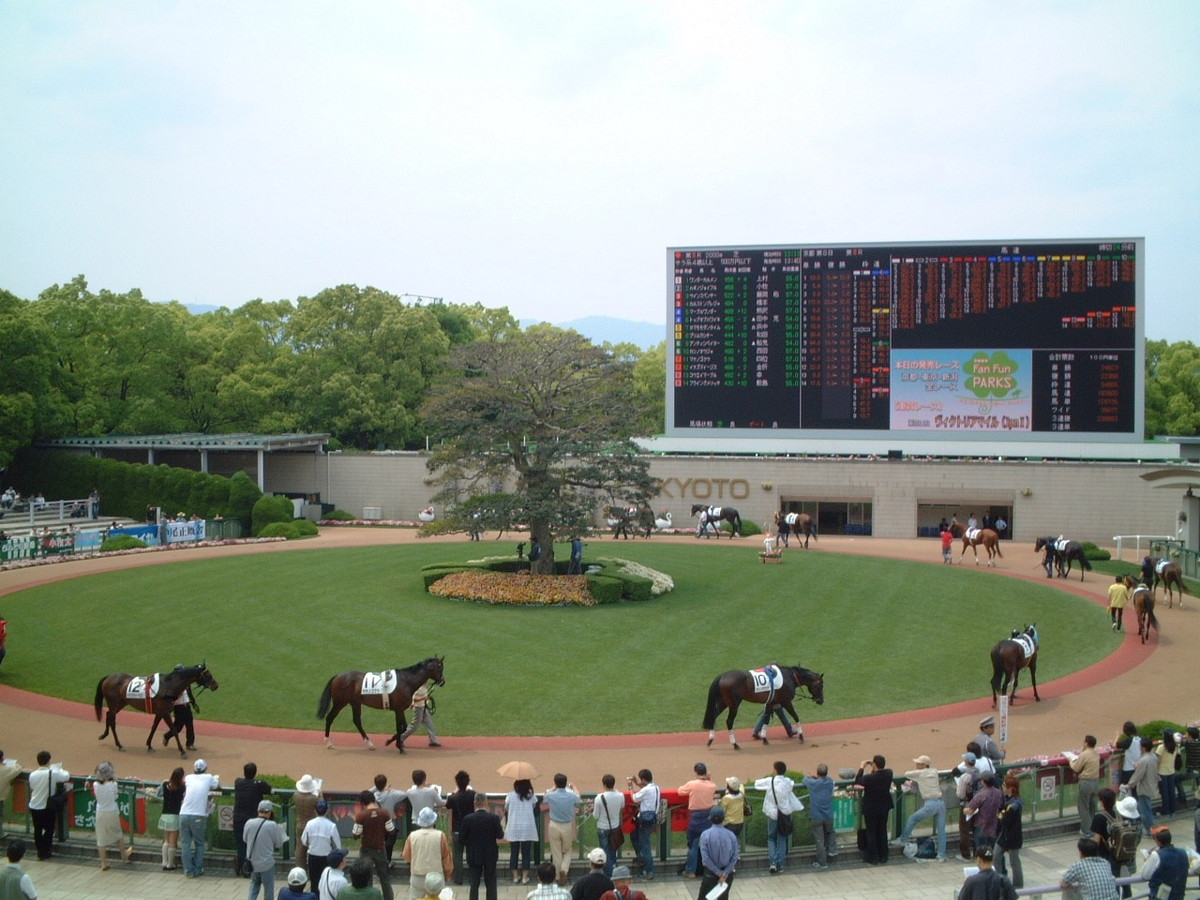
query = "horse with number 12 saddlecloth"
{"x": 153, "y": 694}
{"x": 390, "y": 689}
{"x": 1009, "y": 657}
{"x": 774, "y": 685}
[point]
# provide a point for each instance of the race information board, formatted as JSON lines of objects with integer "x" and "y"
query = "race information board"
{"x": 1018, "y": 338}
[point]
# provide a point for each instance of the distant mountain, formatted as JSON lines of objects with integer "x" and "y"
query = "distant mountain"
{"x": 596, "y": 329}
{"x": 599, "y": 329}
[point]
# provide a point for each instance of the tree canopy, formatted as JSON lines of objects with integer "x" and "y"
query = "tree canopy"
{"x": 538, "y": 424}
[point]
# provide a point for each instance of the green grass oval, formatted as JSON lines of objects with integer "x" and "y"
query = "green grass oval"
{"x": 889, "y": 635}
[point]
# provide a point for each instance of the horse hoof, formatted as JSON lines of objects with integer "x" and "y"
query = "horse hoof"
{"x": 709, "y": 744}
{"x": 738, "y": 746}
{"x": 149, "y": 749}
{"x": 328, "y": 744}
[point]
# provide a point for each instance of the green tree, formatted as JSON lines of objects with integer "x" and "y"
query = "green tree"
{"x": 1172, "y": 388}
{"x": 28, "y": 404}
{"x": 540, "y": 420}
{"x": 363, "y": 364}
{"x": 113, "y": 353}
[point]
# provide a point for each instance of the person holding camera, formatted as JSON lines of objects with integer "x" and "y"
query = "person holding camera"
{"x": 263, "y": 837}
{"x": 647, "y": 795}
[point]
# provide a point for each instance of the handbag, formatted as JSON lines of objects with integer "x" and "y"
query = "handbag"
{"x": 57, "y": 800}
{"x": 747, "y": 809}
{"x": 783, "y": 820}
{"x": 616, "y": 837}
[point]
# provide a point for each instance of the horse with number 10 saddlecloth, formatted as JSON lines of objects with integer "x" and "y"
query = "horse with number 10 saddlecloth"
{"x": 730, "y": 689}
{"x": 346, "y": 689}
{"x": 1009, "y": 657}
{"x": 156, "y": 695}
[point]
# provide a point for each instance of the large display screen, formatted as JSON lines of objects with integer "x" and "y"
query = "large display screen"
{"x": 1021, "y": 338}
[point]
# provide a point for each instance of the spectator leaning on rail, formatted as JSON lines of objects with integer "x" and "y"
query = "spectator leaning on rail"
{"x": 923, "y": 780}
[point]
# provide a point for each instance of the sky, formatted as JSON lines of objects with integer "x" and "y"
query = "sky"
{"x": 543, "y": 155}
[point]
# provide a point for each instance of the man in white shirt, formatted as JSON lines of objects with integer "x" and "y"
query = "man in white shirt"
{"x": 43, "y": 785}
{"x": 333, "y": 879}
{"x": 779, "y": 801}
{"x": 193, "y": 817}
{"x": 320, "y": 838}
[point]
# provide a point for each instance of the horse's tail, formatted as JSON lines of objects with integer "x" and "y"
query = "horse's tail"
{"x": 99, "y": 698}
{"x": 998, "y": 553}
{"x": 1151, "y": 619}
{"x": 997, "y": 669}
{"x": 326, "y": 699}
{"x": 714, "y": 704}
{"x": 737, "y": 522}
{"x": 1083, "y": 561}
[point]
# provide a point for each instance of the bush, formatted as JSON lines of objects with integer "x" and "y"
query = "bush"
{"x": 268, "y": 510}
{"x": 606, "y": 588}
{"x": 1154, "y": 730}
{"x": 432, "y": 573}
{"x": 121, "y": 542}
{"x": 1094, "y": 553}
{"x": 297, "y": 528}
{"x": 750, "y": 528}
{"x": 340, "y": 515}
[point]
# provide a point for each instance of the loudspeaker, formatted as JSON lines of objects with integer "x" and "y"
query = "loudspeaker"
{"x": 895, "y": 454}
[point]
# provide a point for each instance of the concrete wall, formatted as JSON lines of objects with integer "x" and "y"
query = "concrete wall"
{"x": 1086, "y": 500}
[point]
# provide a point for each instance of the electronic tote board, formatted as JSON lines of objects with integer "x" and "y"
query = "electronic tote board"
{"x": 1018, "y": 339}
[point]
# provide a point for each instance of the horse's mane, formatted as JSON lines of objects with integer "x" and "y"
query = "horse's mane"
{"x": 417, "y": 667}
{"x": 808, "y": 673}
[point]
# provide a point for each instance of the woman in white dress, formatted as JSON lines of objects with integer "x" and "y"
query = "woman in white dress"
{"x": 108, "y": 819}
{"x": 520, "y": 828}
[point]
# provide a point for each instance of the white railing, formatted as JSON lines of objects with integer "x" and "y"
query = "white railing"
{"x": 1137, "y": 539}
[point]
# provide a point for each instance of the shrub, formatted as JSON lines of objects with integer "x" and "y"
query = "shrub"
{"x": 297, "y": 528}
{"x": 431, "y": 574}
{"x": 749, "y": 528}
{"x": 268, "y": 510}
{"x": 1154, "y": 730}
{"x": 606, "y": 588}
{"x": 121, "y": 542}
{"x": 340, "y": 515}
{"x": 1094, "y": 553}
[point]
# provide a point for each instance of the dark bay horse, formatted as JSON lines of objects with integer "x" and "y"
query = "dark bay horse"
{"x": 795, "y": 523}
{"x": 713, "y": 516}
{"x": 1009, "y": 657}
{"x": 1059, "y": 553}
{"x": 345, "y": 689}
{"x": 729, "y": 689}
{"x": 628, "y": 521}
{"x": 974, "y": 538}
{"x": 1169, "y": 575}
{"x": 166, "y": 689}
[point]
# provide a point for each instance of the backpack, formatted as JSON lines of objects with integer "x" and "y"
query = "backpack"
{"x": 1123, "y": 840}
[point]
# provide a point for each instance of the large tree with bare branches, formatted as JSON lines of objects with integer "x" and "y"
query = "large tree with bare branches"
{"x": 533, "y": 427}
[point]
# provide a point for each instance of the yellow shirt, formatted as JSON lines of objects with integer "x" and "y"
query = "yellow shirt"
{"x": 1118, "y": 595}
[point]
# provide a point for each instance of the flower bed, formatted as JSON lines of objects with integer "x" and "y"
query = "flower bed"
{"x": 503, "y": 589}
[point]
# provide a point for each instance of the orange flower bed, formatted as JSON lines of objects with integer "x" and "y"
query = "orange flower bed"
{"x": 505, "y": 589}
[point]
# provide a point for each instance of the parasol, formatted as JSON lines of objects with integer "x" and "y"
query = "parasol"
{"x": 517, "y": 770}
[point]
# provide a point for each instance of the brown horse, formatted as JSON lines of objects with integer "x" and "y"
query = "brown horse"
{"x": 1169, "y": 575}
{"x": 729, "y": 689}
{"x": 974, "y": 538}
{"x": 345, "y": 689}
{"x": 1009, "y": 657}
{"x": 795, "y": 523}
{"x": 114, "y": 690}
{"x": 1143, "y": 604}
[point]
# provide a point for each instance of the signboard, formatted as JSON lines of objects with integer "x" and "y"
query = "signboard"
{"x": 980, "y": 340}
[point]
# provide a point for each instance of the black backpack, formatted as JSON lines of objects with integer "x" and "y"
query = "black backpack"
{"x": 1123, "y": 840}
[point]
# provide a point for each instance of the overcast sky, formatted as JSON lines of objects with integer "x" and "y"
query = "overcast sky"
{"x": 543, "y": 155}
